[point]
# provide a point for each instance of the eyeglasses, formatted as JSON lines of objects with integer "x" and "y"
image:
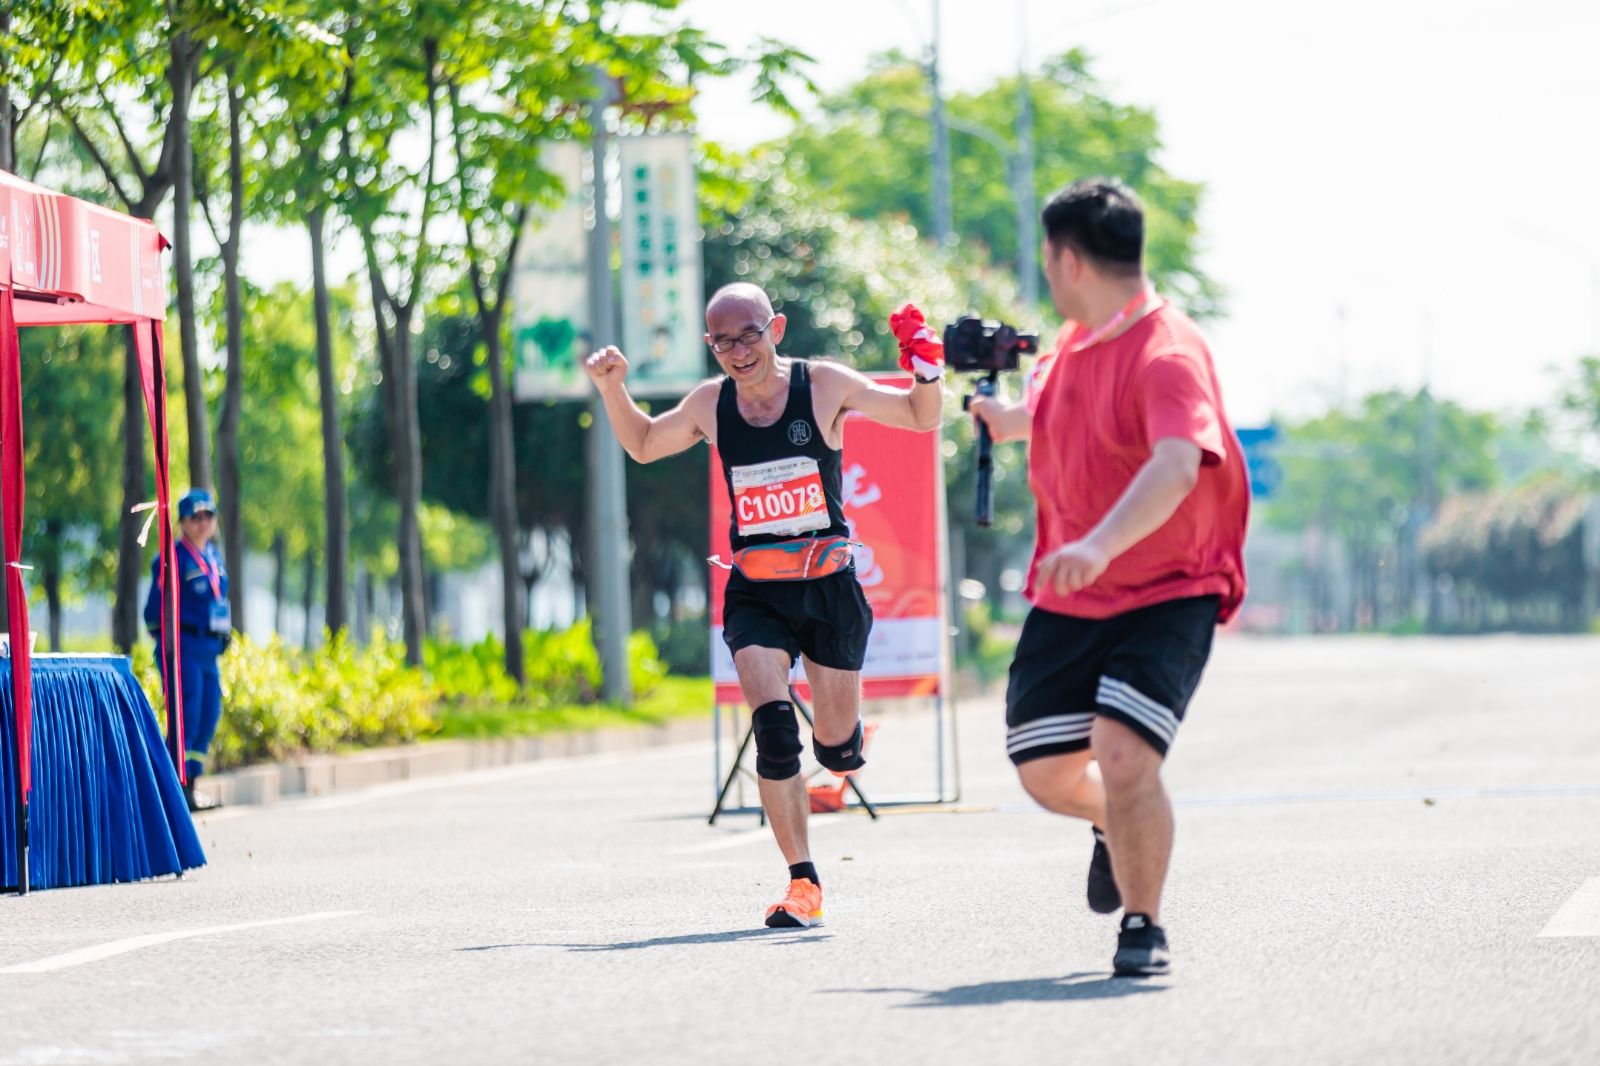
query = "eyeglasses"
{"x": 745, "y": 339}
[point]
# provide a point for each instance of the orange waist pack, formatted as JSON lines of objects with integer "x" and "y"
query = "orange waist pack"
{"x": 794, "y": 560}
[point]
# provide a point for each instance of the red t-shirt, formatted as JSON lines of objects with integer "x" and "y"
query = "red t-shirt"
{"x": 1100, "y": 412}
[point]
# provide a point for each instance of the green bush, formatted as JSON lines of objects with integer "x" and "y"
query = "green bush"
{"x": 993, "y": 646}
{"x": 685, "y": 645}
{"x": 280, "y": 701}
{"x": 646, "y": 671}
{"x": 562, "y": 665}
{"x": 469, "y": 672}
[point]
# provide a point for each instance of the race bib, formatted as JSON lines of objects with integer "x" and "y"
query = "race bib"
{"x": 782, "y": 497}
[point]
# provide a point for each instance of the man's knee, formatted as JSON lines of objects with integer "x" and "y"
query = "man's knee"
{"x": 1127, "y": 760}
{"x": 841, "y": 758}
{"x": 778, "y": 746}
{"x": 1053, "y": 780}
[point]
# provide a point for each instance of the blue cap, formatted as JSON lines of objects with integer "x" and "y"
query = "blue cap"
{"x": 196, "y": 500}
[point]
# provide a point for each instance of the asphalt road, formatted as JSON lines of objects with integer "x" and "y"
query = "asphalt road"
{"x": 1372, "y": 837}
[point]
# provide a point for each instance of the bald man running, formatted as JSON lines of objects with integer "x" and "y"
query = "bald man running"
{"x": 778, "y": 424}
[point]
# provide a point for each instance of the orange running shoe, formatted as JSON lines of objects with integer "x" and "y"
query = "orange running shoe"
{"x": 801, "y": 907}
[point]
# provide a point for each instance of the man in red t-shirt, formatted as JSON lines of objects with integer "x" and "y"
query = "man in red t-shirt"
{"x": 1142, "y": 504}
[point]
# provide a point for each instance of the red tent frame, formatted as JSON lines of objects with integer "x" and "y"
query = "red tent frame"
{"x": 64, "y": 261}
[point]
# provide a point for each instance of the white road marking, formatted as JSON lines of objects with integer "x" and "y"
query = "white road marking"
{"x": 133, "y": 943}
{"x": 754, "y": 836}
{"x": 1380, "y": 794}
{"x": 1580, "y": 915}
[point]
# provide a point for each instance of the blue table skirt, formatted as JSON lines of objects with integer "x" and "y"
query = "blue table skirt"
{"x": 107, "y": 805}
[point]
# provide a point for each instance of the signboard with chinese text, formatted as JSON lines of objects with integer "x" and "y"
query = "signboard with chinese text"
{"x": 551, "y": 314}
{"x": 662, "y": 322}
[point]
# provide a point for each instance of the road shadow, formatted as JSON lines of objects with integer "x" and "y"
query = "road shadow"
{"x": 1073, "y": 986}
{"x": 772, "y": 936}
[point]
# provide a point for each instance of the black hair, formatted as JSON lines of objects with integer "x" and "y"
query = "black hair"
{"x": 1100, "y": 219}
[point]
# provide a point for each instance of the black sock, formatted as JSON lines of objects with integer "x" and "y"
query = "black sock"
{"x": 806, "y": 870}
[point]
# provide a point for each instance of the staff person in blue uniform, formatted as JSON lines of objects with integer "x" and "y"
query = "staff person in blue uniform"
{"x": 205, "y": 626}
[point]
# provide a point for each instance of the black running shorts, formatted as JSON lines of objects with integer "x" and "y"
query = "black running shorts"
{"x": 1139, "y": 668}
{"x": 827, "y": 619}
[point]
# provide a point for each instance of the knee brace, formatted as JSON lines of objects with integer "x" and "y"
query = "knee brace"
{"x": 841, "y": 758}
{"x": 777, "y": 741}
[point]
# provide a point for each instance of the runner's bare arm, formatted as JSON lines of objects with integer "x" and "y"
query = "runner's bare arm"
{"x": 918, "y": 407}
{"x": 643, "y": 437}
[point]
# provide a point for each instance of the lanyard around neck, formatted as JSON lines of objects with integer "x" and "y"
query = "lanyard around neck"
{"x": 199, "y": 560}
{"x": 1129, "y": 309}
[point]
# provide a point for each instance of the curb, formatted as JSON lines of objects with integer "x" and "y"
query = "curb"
{"x": 326, "y": 775}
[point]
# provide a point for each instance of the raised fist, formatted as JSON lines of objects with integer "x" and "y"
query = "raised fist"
{"x": 606, "y": 368}
{"x": 921, "y": 350}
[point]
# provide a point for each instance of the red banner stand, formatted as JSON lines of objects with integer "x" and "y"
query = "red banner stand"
{"x": 894, "y": 502}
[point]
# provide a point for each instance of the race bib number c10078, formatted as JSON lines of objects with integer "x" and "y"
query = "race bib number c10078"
{"x": 782, "y": 497}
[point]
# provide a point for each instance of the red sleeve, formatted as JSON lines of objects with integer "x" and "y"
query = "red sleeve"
{"x": 1179, "y": 402}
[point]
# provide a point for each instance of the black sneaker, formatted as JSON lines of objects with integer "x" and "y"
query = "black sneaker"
{"x": 1103, "y": 895}
{"x": 198, "y": 801}
{"x": 1141, "y": 948}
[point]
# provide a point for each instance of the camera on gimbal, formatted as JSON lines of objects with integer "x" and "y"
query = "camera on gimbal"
{"x": 973, "y": 346}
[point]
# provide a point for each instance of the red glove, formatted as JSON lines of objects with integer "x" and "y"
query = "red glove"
{"x": 921, "y": 350}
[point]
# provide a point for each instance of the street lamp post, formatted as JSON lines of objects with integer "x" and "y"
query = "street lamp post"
{"x": 607, "y": 562}
{"x": 943, "y": 213}
{"x": 1027, "y": 211}
{"x": 1019, "y": 176}
{"x": 1019, "y": 163}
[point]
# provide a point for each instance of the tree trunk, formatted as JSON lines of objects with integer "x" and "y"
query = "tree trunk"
{"x": 8, "y": 127}
{"x": 407, "y": 455}
{"x": 308, "y": 591}
{"x": 415, "y": 607}
{"x": 125, "y": 609}
{"x": 642, "y": 590}
{"x": 280, "y": 563}
{"x": 180, "y": 74}
{"x": 51, "y": 565}
{"x": 337, "y": 539}
{"x": 233, "y": 387}
{"x": 503, "y": 496}
{"x": 364, "y": 606}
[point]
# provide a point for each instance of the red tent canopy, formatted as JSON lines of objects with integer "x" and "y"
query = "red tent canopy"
{"x": 65, "y": 261}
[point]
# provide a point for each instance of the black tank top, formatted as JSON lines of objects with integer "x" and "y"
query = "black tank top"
{"x": 772, "y": 472}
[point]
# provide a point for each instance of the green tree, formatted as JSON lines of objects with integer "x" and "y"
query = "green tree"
{"x": 1372, "y": 477}
{"x": 518, "y": 75}
{"x": 301, "y": 186}
{"x": 395, "y": 93}
{"x": 250, "y": 56}
{"x": 1514, "y": 557}
{"x": 1580, "y": 399}
{"x": 867, "y": 154}
{"x": 282, "y": 503}
{"x": 71, "y": 410}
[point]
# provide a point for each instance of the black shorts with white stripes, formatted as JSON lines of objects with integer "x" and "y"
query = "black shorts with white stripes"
{"x": 1139, "y": 668}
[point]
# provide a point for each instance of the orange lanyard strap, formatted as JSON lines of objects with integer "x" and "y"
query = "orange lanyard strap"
{"x": 1131, "y": 308}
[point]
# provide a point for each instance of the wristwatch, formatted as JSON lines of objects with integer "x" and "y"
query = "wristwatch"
{"x": 920, "y": 380}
